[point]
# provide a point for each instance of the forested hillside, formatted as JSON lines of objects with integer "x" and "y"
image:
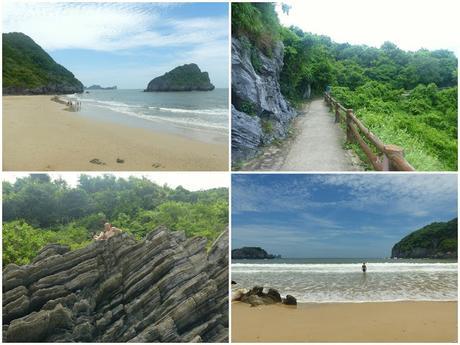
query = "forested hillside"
{"x": 28, "y": 69}
{"x": 38, "y": 211}
{"x": 406, "y": 98}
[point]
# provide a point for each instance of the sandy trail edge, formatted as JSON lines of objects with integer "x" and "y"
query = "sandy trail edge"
{"x": 39, "y": 135}
{"x": 346, "y": 322}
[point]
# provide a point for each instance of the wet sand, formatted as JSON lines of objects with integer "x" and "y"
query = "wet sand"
{"x": 346, "y": 322}
{"x": 41, "y": 135}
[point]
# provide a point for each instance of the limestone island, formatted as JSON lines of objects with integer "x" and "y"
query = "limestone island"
{"x": 187, "y": 77}
{"x": 252, "y": 253}
{"x": 99, "y": 87}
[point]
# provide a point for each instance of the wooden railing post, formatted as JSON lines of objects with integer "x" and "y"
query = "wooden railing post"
{"x": 337, "y": 114}
{"x": 349, "y": 124}
{"x": 391, "y": 152}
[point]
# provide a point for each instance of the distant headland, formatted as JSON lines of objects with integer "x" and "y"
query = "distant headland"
{"x": 183, "y": 78}
{"x": 99, "y": 87}
{"x": 252, "y": 253}
{"x": 436, "y": 240}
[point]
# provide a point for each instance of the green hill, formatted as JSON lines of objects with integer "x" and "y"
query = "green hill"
{"x": 183, "y": 78}
{"x": 28, "y": 69}
{"x": 437, "y": 240}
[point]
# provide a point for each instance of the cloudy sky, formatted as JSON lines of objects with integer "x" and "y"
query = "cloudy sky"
{"x": 126, "y": 44}
{"x": 339, "y": 216}
{"x": 410, "y": 24}
{"x": 189, "y": 180}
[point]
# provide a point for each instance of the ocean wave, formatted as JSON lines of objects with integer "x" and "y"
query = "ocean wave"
{"x": 345, "y": 268}
{"x": 213, "y": 111}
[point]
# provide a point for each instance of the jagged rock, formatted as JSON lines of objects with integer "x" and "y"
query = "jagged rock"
{"x": 187, "y": 77}
{"x": 258, "y": 95}
{"x": 256, "y": 296}
{"x": 166, "y": 288}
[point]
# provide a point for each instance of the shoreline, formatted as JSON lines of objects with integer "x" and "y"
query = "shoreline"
{"x": 41, "y": 135}
{"x": 402, "y": 321}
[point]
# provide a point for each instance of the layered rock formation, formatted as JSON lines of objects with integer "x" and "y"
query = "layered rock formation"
{"x": 436, "y": 240}
{"x": 166, "y": 288}
{"x": 29, "y": 70}
{"x": 260, "y": 113}
{"x": 183, "y": 78}
{"x": 251, "y": 253}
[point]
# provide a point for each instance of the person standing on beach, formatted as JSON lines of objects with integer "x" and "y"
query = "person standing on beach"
{"x": 364, "y": 267}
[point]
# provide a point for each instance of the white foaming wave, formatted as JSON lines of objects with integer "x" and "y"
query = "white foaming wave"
{"x": 214, "y": 111}
{"x": 180, "y": 122}
{"x": 344, "y": 268}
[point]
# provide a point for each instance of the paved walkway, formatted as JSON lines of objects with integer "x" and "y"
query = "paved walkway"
{"x": 318, "y": 145}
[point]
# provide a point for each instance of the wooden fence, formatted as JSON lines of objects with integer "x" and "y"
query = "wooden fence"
{"x": 391, "y": 156}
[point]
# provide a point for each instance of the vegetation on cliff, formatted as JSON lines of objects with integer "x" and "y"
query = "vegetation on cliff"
{"x": 38, "y": 211}
{"x": 251, "y": 253}
{"x": 183, "y": 78}
{"x": 436, "y": 240}
{"x": 405, "y": 98}
{"x": 28, "y": 69}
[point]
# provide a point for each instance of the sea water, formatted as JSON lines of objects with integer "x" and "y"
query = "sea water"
{"x": 341, "y": 280}
{"x": 197, "y": 114}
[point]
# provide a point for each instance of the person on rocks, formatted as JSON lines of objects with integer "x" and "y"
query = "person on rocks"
{"x": 364, "y": 267}
{"x": 109, "y": 231}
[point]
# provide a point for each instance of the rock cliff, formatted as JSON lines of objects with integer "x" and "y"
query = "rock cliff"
{"x": 183, "y": 78}
{"x": 260, "y": 113}
{"x": 29, "y": 70}
{"x": 166, "y": 288}
{"x": 436, "y": 240}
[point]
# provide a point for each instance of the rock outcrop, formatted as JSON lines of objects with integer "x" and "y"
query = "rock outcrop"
{"x": 166, "y": 288}
{"x": 260, "y": 113}
{"x": 29, "y": 70}
{"x": 256, "y": 296}
{"x": 436, "y": 240}
{"x": 99, "y": 87}
{"x": 183, "y": 78}
{"x": 252, "y": 253}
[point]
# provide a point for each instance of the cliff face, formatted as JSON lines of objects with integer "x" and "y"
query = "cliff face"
{"x": 260, "y": 113}
{"x": 29, "y": 70}
{"x": 437, "y": 240}
{"x": 183, "y": 78}
{"x": 165, "y": 288}
{"x": 251, "y": 253}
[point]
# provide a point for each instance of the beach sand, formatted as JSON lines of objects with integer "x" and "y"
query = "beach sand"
{"x": 40, "y": 135}
{"x": 346, "y": 322}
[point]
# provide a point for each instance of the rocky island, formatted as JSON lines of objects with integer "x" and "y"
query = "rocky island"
{"x": 183, "y": 78}
{"x": 165, "y": 288}
{"x": 436, "y": 240}
{"x": 252, "y": 253}
{"x": 99, "y": 87}
{"x": 29, "y": 70}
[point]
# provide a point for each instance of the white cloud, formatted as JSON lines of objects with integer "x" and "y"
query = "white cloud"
{"x": 109, "y": 26}
{"x": 411, "y": 24}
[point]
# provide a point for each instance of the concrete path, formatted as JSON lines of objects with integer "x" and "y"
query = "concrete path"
{"x": 318, "y": 145}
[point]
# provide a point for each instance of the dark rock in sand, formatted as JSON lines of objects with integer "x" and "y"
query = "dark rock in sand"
{"x": 166, "y": 288}
{"x": 290, "y": 300}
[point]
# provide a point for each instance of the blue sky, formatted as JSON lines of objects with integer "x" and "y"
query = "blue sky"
{"x": 126, "y": 44}
{"x": 336, "y": 215}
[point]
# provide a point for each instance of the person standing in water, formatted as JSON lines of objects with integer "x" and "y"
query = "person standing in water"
{"x": 364, "y": 267}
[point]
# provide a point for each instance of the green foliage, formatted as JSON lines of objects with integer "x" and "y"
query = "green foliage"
{"x": 248, "y": 108}
{"x": 267, "y": 126}
{"x": 37, "y": 211}
{"x": 258, "y": 22}
{"x": 27, "y": 65}
{"x": 423, "y": 121}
